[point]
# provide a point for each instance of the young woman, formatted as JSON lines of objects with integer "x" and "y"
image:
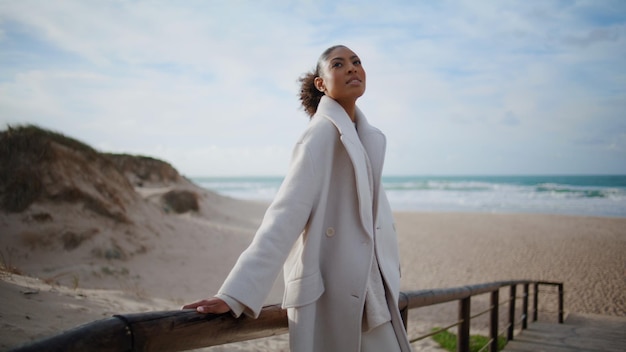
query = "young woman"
{"x": 330, "y": 225}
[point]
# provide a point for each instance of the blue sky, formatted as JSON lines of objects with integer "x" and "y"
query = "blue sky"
{"x": 458, "y": 87}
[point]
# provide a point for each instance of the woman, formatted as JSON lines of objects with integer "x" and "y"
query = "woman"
{"x": 330, "y": 225}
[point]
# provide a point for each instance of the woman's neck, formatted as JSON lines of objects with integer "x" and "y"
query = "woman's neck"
{"x": 350, "y": 108}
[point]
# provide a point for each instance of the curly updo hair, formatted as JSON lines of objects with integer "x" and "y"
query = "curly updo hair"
{"x": 310, "y": 96}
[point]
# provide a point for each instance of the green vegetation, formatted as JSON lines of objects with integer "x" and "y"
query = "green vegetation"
{"x": 447, "y": 341}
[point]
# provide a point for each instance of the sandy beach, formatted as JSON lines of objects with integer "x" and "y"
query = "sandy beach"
{"x": 139, "y": 237}
{"x": 192, "y": 253}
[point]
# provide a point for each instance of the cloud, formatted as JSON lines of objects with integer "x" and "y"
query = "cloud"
{"x": 458, "y": 87}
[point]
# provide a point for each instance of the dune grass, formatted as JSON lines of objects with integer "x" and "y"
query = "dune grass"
{"x": 447, "y": 341}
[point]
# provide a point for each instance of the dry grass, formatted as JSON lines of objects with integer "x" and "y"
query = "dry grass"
{"x": 181, "y": 201}
{"x": 6, "y": 263}
{"x": 24, "y": 152}
{"x": 37, "y": 164}
{"x": 55, "y": 280}
{"x": 72, "y": 240}
{"x": 36, "y": 239}
{"x": 144, "y": 169}
{"x": 42, "y": 217}
{"x": 114, "y": 251}
{"x": 41, "y": 165}
{"x": 90, "y": 202}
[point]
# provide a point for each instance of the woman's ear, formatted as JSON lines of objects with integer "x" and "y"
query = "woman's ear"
{"x": 319, "y": 84}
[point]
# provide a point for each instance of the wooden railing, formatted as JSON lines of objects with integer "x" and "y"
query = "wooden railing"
{"x": 463, "y": 295}
{"x": 183, "y": 330}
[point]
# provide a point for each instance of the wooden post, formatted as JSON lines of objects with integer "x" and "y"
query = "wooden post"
{"x": 493, "y": 321}
{"x": 511, "y": 329}
{"x": 525, "y": 308}
{"x": 536, "y": 302}
{"x": 403, "y": 304}
{"x": 560, "y": 303}
{"x": 463, "y": 332}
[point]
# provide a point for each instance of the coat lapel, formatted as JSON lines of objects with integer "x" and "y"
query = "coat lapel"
{"x": 371, "y": 143}
{"x": 374, "y": 143}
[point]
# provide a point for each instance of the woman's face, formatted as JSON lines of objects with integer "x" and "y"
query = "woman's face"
{"x": 341, "y": 76}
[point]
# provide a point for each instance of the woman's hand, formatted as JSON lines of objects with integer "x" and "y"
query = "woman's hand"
{"x": 212, "y": 305}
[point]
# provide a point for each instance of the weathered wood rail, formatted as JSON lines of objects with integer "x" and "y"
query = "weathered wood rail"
{"x": 183, "y": 330}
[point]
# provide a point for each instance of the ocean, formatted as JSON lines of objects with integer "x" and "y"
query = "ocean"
{"x": 600, "y": 195}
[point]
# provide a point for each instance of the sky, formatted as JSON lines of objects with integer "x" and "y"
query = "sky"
{"x": 458, "y": 87}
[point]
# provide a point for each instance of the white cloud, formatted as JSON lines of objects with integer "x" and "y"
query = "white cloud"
{"x": 459, "y": 87}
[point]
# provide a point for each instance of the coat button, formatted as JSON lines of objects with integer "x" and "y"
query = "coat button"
{"x": 330, "y": 232}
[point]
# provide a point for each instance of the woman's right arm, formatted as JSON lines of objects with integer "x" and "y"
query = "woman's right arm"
{"x": 252, "y": 277}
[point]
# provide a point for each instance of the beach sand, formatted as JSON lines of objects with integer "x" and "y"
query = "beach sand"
{"x": 52, "y": 282}
{"x": 587, "y": 254}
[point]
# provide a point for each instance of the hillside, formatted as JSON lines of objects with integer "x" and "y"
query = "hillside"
{"x": 78, "y": 222}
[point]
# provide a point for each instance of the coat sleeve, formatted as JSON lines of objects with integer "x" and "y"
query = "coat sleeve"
{"x": 253, "y": 276}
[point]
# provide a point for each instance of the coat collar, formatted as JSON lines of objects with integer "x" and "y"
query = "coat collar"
{"x": 372, "y": 139}
{"x": 361, "y": 143}
{"x": 331, "y": 109}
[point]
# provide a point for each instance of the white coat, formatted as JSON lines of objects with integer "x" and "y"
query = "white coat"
{"x": 322, "y": 225}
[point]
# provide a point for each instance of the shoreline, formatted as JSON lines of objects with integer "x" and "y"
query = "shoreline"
{"x": 578, "y": 195}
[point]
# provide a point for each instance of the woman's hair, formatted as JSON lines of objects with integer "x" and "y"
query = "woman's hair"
{"x": 310, "y": 96}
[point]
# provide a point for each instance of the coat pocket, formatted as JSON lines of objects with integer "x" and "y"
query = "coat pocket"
{"x": 304, "y": 290}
